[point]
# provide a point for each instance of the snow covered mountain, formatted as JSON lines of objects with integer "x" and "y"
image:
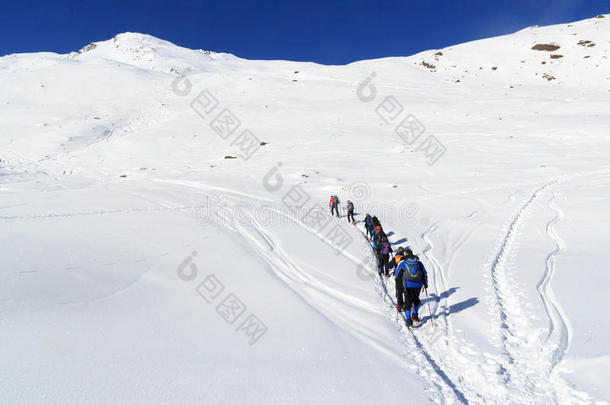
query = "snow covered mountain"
{"x": 161, "y": 239}
{"x": 147, "y": 52}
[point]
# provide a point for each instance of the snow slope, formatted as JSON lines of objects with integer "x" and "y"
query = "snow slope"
{"x": 126, "y": 229}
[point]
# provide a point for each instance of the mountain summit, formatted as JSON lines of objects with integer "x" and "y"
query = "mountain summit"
{"x": 148, "y": 52}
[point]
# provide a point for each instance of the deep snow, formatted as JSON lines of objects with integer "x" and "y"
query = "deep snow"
{"x": 126, "y": 232}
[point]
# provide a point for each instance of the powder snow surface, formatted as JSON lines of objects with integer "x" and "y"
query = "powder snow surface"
{"x": 139, "y": 265}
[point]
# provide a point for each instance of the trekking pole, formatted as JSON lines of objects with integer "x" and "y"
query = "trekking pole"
{"x": 429, "y": 310}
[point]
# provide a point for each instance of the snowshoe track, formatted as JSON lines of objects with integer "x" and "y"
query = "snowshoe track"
{"x": 518, "y": 372}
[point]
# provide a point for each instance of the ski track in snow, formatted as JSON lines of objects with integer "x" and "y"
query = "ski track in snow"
{"x": 559, "y": 335}
{"x": 468, "y": 384}
{"x": 432, "y": 364}
{"x": 558, "y": 325}
{"x": 439, "y": 361}
{"x": 520, "y": 372}
{"x": 527, "y": 379}
{"x": 311, "y": 290}
{"x": 431, "y": 349}
{"x": 438, "y": 277}
{"x": 308, "y": 288}
{"x": 529, "y": 365}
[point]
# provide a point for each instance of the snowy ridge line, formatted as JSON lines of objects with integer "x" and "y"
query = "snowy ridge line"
{"x": 436, "y": 366}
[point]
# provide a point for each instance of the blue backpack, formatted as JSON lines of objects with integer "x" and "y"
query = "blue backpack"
{"x": 413, "y": 271}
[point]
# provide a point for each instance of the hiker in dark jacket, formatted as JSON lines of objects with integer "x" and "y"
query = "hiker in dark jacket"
{"x": 379, "y": 235}
{"x": 401, "y": 254}
{"x": 368, "y": 224}
{"x": 413, "y": 277}
{"x": 396, "y": 259}
{"x": 384, "y": 256}
{"x": 350, "y": 212}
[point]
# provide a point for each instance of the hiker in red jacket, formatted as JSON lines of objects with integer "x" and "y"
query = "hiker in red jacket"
{"x": 334, "y": 205}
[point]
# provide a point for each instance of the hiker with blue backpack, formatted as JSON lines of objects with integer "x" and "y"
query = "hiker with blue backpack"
{"x": 334, "y": 205}
{"x": 410, "y": 277}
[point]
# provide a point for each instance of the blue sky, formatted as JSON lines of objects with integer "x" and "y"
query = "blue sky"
{"x": 330, "y": 32}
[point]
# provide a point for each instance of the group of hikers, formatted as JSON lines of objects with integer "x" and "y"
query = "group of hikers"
{"x": 410, "y": 275}
{"x": 334, "y": 208}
